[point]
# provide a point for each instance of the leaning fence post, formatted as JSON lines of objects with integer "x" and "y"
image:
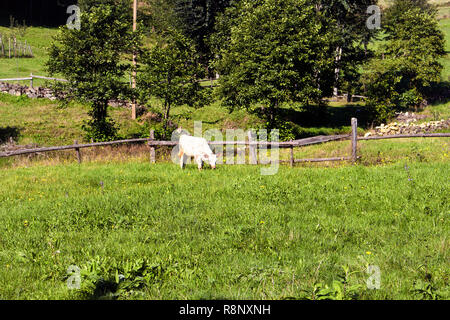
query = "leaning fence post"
{"x": 78, "y": 152}
{"x": 354, "y": 138}
{"x": 252, "y": 148}
{"x": 152, "y": 149}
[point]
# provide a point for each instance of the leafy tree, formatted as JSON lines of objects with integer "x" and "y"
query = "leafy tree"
{"x": 92, "y": 59}
{"x": 159, "y": 15}
{"x": 197, "y": 19}
{"x": 170, "y": 72}
{"x": 278, "y": 51}
{"x": 408, "y": 64}
{"x": 349, "y": 20}
{"x": 87, "y": 4}
{"x": 194, "y": 18}
{"x": 221, "y": 36}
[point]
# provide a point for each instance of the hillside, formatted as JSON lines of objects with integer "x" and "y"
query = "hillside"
{"x": 41, "y": 122}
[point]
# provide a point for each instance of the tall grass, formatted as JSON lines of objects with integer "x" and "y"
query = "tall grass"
{"x": 228, "y": 233}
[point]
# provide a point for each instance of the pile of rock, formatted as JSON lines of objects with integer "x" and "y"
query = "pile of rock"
{"x": 408, "y": 117}
{"x": 39, "y": 92}
{"x": 409, "y": 128}
{"x": 18, "y": 90}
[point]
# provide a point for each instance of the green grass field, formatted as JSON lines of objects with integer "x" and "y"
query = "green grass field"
{"x": 156, "y": 232}
{"x": 39, "y": 38}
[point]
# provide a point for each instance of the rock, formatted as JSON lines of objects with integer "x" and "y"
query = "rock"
{"x": 410, "y": 127}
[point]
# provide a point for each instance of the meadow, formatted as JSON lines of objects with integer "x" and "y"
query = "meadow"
{"x": 141, "y": 231}
{"x": 122, "y": 228}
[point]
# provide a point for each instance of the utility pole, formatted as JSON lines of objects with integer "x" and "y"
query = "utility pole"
{"x": 133, "y": 83}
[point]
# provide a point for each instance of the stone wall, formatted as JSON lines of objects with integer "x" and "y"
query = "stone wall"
{"x": 39, "y": 92}
{"x": 407, "y": 124}
{"x": 17, "y": 90}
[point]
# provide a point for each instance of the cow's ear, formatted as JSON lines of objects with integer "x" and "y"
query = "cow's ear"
{"x": 218, "y": 155}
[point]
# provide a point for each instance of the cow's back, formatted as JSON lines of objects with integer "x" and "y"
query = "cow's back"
{"x": 192, "y": 146}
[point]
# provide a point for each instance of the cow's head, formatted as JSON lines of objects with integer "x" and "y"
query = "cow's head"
{"x": 212, "y": 159}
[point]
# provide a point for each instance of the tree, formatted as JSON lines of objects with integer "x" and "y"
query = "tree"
{"x": 349, "y": 20}
{"x": 170, "y": 72}
{"x": 87, "y": 4}
{"x": 93, "y": 60}
{"x": 197, "y": 19}
{"x": 278, "y": 51}
{"x": 159, "y": 15}
{"x": 408, "y": 64}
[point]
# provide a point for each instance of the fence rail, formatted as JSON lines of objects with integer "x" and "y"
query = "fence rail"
{"x": 31, "y": 77}
{"x": 154, "y": 143}
{"x": 251, "y": 143}
{"x": 416, "y": 135}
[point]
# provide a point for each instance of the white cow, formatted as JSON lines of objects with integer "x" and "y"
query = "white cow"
{"x": 197, "y": 148}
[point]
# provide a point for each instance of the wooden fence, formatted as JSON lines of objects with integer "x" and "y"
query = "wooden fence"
{"x": 32, "y": 76}
{"x": 251, "y": 144}
{"x": 16, "y": 48}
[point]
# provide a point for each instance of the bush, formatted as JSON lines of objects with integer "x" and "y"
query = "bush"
{"x": 100, "y": 130}
{"x": 407, "y": 66}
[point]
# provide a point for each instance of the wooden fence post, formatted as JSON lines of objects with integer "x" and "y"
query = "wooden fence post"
{"x": 252, "y": 157}
{"x": 292, "y": 156}
{"x": 78, "y": 152}
{"x": 152, "y": 149}
{"x": 354, "y": 139}
{"x": 2, "y": 45}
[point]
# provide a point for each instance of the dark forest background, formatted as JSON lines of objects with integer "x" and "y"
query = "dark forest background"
{"x": 49, "y": 13}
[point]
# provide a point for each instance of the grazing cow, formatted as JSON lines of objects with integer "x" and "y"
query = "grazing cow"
{"x": 197, "y": 148}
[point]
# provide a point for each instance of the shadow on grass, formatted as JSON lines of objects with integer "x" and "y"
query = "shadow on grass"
{"x": 104, "y": 290}
{"x": 7, "y": 133}
{"x": 439, "y": 92}
{"x": 329, "y": 116}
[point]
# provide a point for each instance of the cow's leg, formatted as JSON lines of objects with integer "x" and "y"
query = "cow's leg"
{"x": 182, "y": 161}
{"x": 181, "y": 156}
{"x": 199, "y": 161}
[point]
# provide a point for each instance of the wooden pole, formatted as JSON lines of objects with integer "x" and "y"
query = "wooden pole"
{"x": 152, "y": 149}
{"x": 2, "y": 47}
{"x": 133, "y": 84}
{"x": 354, "y": 138}
{"x": 252, "y": 148}
{"x": 78, "y": 151}
{"x": 292, "y": 156}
